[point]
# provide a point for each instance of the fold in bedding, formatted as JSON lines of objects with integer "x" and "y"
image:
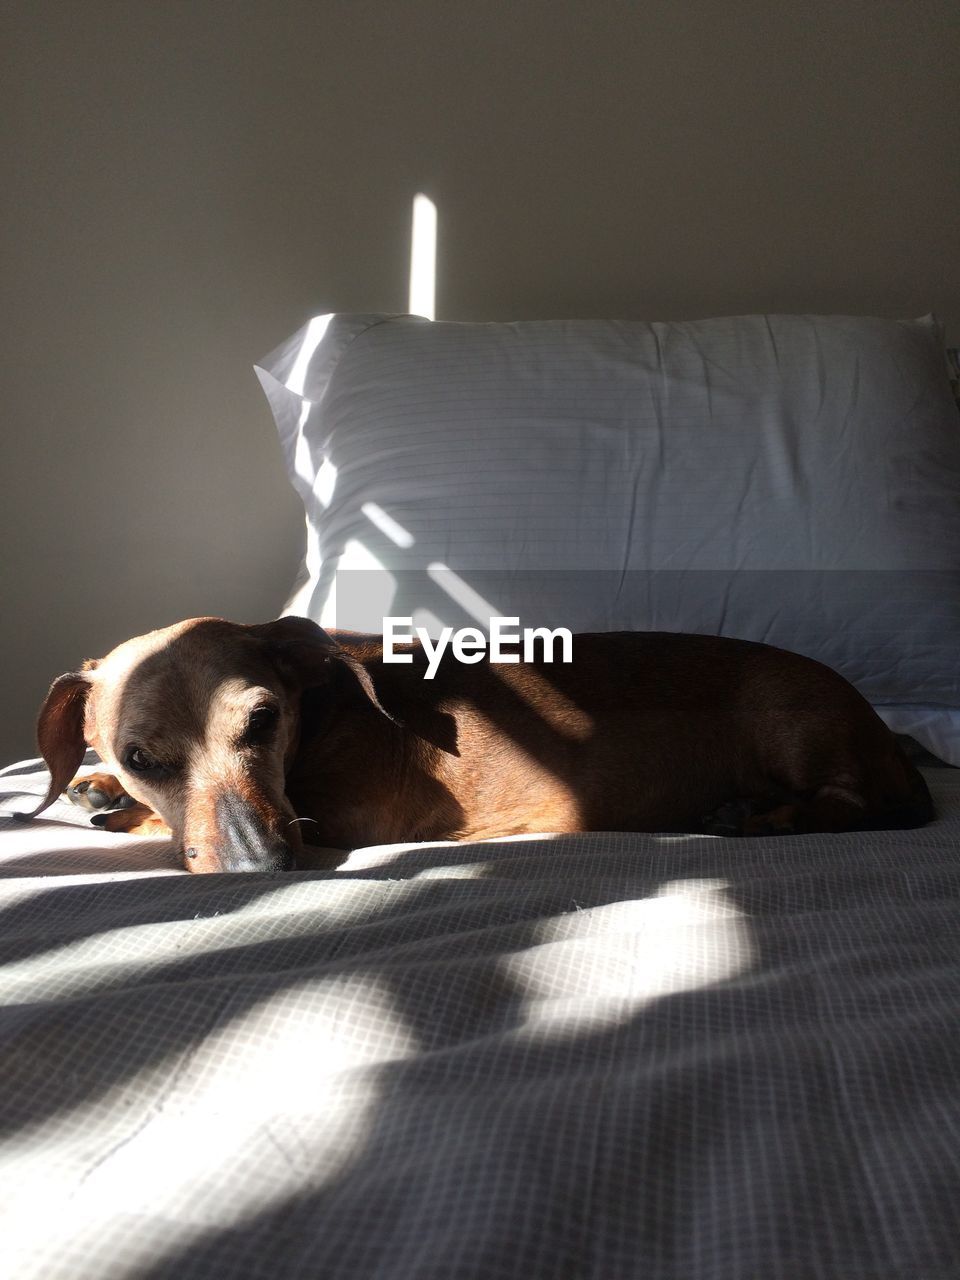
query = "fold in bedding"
{"x": 606, "y": 1056}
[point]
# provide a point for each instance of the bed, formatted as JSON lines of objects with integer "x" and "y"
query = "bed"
{"x": 604, "y": 1055}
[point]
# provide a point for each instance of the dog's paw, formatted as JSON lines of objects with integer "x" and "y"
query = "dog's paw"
{"x": 95, "y": 791}
{"x": 729, "y": 820}
{"x": 781, "y": 821}
{"x": 135, "y": 820}
{"x": 774, "y": 813}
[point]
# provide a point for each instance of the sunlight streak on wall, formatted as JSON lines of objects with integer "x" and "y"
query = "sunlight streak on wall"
{"x": 423, "y": 258}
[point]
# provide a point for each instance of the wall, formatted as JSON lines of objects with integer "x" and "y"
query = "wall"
{"x": 185, "y": 183}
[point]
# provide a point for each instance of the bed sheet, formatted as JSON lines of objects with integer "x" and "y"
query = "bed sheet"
{"x": 610, "y": 1055}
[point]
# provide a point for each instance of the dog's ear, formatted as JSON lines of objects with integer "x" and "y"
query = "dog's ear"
{"x": 305, "y": 650}
{"x": 297, "y": 640}
{"x": 60, "y": 734}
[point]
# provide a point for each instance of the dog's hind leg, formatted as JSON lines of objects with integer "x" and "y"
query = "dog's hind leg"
{"x": 834, "y": 807}
{"x": 888, "y": 794}
{"x": 899, "y": 798}
{"x": 830, "y": 808}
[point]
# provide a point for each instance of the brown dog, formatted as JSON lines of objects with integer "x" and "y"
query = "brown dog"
{"x": 249, "y": 739}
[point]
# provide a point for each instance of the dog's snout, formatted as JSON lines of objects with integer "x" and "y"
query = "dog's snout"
{"x": 247, "y": 837}
{"x": 242, "y": 840}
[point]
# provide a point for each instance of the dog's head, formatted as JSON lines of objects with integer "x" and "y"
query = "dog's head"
{"x": 200, "y": 721}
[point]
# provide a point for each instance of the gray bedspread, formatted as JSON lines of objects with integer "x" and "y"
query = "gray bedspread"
{"x": 599, "y": 1056}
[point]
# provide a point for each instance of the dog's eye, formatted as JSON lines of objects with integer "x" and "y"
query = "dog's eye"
{"x": 261, "y": 723}
{"x": 139, "y": 762}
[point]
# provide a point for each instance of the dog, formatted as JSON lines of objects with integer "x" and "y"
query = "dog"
{"x": 245, "y": 741}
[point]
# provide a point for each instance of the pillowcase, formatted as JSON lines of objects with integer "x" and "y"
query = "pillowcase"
{"x": 935, "y": 728}
{"x": 790, "y": 479}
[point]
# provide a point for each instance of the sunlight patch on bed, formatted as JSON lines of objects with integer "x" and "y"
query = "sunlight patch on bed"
{"x": 381, "y": 855}
{"x": 268, "y": 1080}
{"x": 596, "y": 967}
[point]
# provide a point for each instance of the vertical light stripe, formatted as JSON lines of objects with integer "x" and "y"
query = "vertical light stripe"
{"x": 423, "y": 258}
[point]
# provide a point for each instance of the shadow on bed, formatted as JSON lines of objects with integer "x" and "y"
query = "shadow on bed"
{"x": 166, "y": 1011}
{"x": 799, "y": 1106}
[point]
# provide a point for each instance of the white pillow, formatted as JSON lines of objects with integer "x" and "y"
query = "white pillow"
{"x": 936, "y": 728}
{"x": 792, "y": 479}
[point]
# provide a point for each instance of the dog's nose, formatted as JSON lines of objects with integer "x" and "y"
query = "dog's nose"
{"x": 243, "y": 841}
{"x": 275, "y": 857}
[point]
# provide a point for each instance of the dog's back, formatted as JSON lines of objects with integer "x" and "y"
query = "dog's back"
{"x": 647, "y": 731}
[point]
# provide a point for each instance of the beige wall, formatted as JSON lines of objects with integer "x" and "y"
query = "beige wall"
{"x": 185, "y": 182}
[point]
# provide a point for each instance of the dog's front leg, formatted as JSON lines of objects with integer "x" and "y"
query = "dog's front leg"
{"x": 113, "y": 808}
{"x": 136, "y": 820}
{"x": 97, "y": 791}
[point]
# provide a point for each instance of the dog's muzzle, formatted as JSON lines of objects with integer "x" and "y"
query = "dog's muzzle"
{"x": 244, "y": 841}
